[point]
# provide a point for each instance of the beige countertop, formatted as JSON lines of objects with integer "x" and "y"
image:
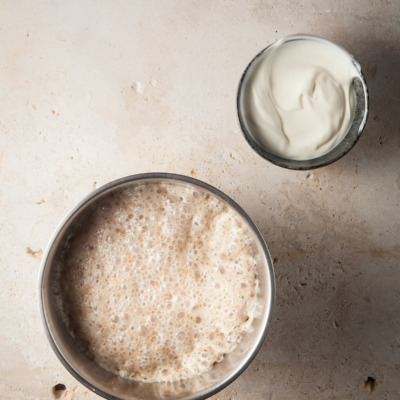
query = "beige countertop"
{"x": 92, "y": 91}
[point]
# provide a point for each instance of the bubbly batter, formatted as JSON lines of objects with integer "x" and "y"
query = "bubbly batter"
{"x": 159, "y": 283}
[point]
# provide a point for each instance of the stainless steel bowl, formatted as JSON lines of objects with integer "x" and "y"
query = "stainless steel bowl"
{"x": 111, "y": 386}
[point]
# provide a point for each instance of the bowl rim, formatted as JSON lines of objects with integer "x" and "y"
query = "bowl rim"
{"x": 120, "y": 183}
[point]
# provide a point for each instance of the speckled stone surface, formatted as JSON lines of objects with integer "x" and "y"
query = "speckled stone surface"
{"x": 93, "y": 91}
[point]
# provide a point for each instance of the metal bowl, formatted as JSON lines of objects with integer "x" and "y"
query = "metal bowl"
{"x": 111, "y": 386}
{"x": 357, "y": 124}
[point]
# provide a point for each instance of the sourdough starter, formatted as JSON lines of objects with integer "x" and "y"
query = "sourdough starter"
{"x": 159, "y": 282}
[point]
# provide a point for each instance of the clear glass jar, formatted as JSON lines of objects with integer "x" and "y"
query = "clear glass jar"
{"x": 357, "y": 124}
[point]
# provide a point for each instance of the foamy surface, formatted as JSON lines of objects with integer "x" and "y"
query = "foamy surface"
{"x": 159, "y": 283}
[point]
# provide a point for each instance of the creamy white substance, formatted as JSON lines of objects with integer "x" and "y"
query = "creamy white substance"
{"x": 299, "y": 99}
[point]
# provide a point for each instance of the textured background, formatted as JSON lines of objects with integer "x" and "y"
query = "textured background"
{"x": 91, "y": 91}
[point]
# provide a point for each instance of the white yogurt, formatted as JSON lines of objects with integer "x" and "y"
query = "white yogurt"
{"x": 298, "y": 100}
